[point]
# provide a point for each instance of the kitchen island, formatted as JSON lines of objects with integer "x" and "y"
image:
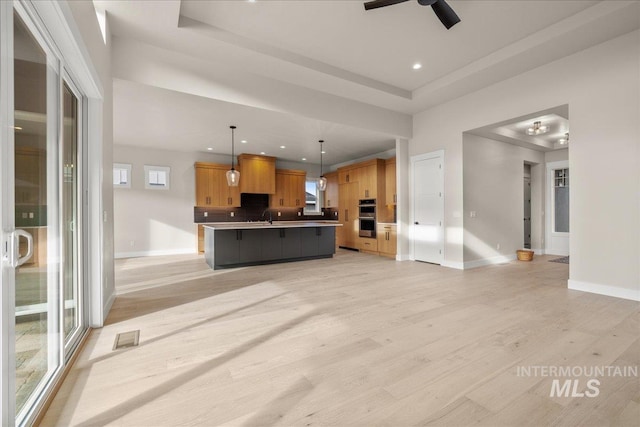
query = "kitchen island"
{"x": 240, "y": 244}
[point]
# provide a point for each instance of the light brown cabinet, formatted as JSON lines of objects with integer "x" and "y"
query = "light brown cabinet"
{"x": 348, "y": 175}
{"x": 290, "y": 189}
{"x": 200, "y": 238}
{"x": 347, "y": 235}
{"x": 212, "y": 189}
{"x": 31, "y": 180}
{"x": 387, "y": 239}
{"x": 366, "y": 244}
{"x": 390, "y": 181}
{"x": 332, "y": 193}
{"x": 257, "y": 174}
{"x": 371, "y": 180}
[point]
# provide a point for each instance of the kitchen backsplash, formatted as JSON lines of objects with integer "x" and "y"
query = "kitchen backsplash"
{"x": 203, "y": 215}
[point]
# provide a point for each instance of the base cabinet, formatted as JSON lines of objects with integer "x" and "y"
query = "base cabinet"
{"x": 235, "y": 248}
{"x": 387, "y": 240}
{"x": 366, "y": 244}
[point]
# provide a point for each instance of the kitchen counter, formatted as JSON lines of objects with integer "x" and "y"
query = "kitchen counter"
{"x": 240, "y": 244}
{"x": 262, "y": 224}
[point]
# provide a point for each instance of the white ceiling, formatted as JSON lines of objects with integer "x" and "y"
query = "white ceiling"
{"x": 514, "y": 130}
{"x": 292, "y": 72}
{"x": 152, "y": 117}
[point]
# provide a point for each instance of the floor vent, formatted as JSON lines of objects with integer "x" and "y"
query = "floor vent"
{"x": 126, "y": 339}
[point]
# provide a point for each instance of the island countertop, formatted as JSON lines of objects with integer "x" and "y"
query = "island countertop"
{"x": 265, "y": 224}
{"x": 241, "y": 244}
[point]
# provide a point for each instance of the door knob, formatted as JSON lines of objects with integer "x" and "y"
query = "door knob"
{"x": 416, "y": 223}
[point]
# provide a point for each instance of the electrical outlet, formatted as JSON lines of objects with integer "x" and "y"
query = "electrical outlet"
{"x": 472, "y": 214}
{"x": 232, "y": 214}
{"x": 299, "y": 213}
{"x": 30, "y": 215}
{"x": 132, "y": 243}
{"x": 498, "y": 246}
{"x": 279, "y": 213}
{"x": 322, "y": 213}
{"x": 206, "y": 214}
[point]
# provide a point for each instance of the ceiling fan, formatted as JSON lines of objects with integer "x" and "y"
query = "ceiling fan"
{"x": 444, "y": 12}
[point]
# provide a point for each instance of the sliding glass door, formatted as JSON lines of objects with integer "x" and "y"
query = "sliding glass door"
{"x": 41, "y": 186}
{"x": 35, "y": 207}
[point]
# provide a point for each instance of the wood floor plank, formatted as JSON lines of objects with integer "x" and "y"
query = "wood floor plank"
{"x": 356, "y": 340}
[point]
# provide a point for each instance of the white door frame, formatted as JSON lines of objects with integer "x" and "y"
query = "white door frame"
{"x": 556, "y": 243}
{"x": 7, "y": 218}
{"x": 413, "y": 160}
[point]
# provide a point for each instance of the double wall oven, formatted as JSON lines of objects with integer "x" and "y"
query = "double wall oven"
{"x": 367, "y": 217}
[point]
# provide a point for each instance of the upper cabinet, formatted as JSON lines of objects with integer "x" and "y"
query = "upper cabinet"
{"x": 390, "y": 181}
{"x": 347, "y": 175}
{"x": 370, "y": 178}
{"x": 212, "y": 189}
{"x": 331, "y": 194}
{"x": 257, "y": 174}
{"x": 31, "y": 180}
{"x": 290, "y": 189}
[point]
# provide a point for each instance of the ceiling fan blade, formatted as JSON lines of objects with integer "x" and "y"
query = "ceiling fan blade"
{"x": 444, "y": 12}
{"x": 381, "y": 3}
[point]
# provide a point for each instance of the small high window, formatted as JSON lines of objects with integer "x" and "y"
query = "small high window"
{"x": 157, "y": 177}
{"x": 121, "y": 175}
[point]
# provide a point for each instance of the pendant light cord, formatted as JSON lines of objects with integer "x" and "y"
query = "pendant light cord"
{"x": 321, "y": 141}
{"x": 232, "y": 146}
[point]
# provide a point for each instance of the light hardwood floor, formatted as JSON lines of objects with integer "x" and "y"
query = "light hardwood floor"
{"x": 354, "y": 340}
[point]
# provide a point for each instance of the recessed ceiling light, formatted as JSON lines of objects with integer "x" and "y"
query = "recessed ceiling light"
{"x": 16, "y": 127}
{"x": 244, "y": 141}
{"x": 282, "y": 146}
{"x": 210, "y": 149}
{"x": 417, "y": 66}
{"x": 263, "y": 153}
{"x": 304, "y": 159}
{"x": 323, "y": 152}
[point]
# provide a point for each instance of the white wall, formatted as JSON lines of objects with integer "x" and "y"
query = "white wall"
{"x": 556, "y": 155}
{"x": 101, "y": 117}
{"x": 601, "y": 85}
{"x": 156, "y": 222}
{"x": 493, "y": 173}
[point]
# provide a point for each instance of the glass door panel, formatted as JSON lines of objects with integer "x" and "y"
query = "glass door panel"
{"x": 70, "y": 215}
{"x": 35, "y": 279}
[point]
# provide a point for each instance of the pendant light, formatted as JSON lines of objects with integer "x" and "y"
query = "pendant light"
{"x": 322, "y": 182}
{"x": 233, "y": 176}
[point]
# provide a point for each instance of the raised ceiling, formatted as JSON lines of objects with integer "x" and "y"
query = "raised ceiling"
{"x": 304, "y": 70}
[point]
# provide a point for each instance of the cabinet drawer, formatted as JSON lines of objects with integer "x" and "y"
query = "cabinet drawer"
{"x": 365, "y": 244}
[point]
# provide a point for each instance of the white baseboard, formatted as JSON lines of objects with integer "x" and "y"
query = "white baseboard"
{"x": 184, "y": 251}
{"x": 403, "y": 258}
{"x": 107, "y": 306}
{"x": 539, "y": 251}
{"x": 611, "y": 291}
{"x": 453, "y": 264}
{"x": 557, "y": 252}
{"x": 500, "y": 259}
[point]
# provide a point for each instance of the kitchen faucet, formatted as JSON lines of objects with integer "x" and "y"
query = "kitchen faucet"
{"x": 270, "y": 216}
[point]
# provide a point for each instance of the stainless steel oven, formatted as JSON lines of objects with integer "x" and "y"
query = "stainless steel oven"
{"x": 367, "y": 218}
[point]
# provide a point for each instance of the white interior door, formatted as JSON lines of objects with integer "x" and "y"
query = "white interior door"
{"x": 428, "y": 207}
